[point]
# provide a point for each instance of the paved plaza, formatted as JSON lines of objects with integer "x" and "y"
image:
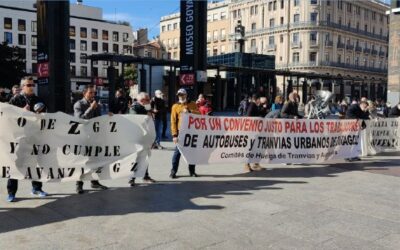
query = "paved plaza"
{"x": 330, "y": 206}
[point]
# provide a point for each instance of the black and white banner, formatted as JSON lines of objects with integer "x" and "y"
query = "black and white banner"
{"x": 58, "y": 147}
{"x": 381, "y": 135}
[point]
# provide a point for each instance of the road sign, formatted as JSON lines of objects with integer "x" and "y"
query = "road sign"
{"x": 186, "y": 79}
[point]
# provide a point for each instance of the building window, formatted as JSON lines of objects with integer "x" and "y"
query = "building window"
{"x": 71, "y": 30}
{"x": 271, "y": 22}
{"x": 296, "y": 2}
{"x": 34, "y": 54}
{"x": 373, "y": 15}
{"x": 125, "y": 37}
{"x": 215, "y": 17}
{"x": 282, "y": 20}
{"x": 253, "y": 26}
{"x": 115, "y": 36}
{"x": 313, "y": 1}
{"x": 274, "y": 5}
{"x": 282, "y": 4}
{"x": 366, "y": 14}
{"x": 349, "y": 7}
{"x": 34, "y": 40}
{"x": 296, "y": 57}
{"x": 313, "y": 57}
{"x": 105, "y": 47}
{"x": 339, "y": 58}
{"x": 115, "y": 48}
{"x": 222, "y": 49}
{"x": 271, "y": 40}
{"x": 215, "y": 35}
{"x": 163, "y": 28}
{"x": 328, "y": 17}
{"x": 83, "y": 71}
{"x": 95, "y": 46}
{"x": 72, "y": 58}
{"x": 83, "y": 58}
{"x": 223, "y": 35}
{"x": 328, "y": 2}
{"x": 73, "y": 70}
{"x": 281, "y": 38}
{"x": 105, "y": 35}
{"x": 176, "y": 44}
{"x": 215, "y": 51}
{"x": 95, "y": 71}
{"x": 366, "y": 28}
{"x": 95, "y": 34}
{"x": 83, "y": 32}
{"x": 175, "y": 27}
{"x": 296, "y": 18}
{"x": 296, "y": 38}
{"x": 71, "y": 44}
{"x": 21, "y": 39}
{"x": 7, "y": 23}
{"x": 34, "y": 26}
{"x": 83, "y": 45}
{"x": 313, "y": 17}
{"x": 223, "y": 15}
{"x": 340, "y": 4}
{"x": 127, "y": 49}
{"x": 270, "y": 6}
{"x": 21, "y": 25}
{"x": 169, "y": 26}
{"x": 253, "y": 43}
{"x": 327, "y": 59}
{"x": 357, "y": 61}
{"x": 313, "y": 37}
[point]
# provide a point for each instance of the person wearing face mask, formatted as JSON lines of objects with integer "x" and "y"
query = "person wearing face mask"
{"x": 88, "y": 108}
{"x": 26, "y": 100}
{"x": 120, "y": 103}
{"x": 182, "y": 106}
{"x": 142, "y": 107}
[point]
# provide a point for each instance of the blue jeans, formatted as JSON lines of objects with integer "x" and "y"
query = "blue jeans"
{"x": 175, "y": 162}
{"x": 158, "y": 123}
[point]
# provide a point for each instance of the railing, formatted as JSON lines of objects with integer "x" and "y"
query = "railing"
{"x": 340, "y": 45}
{"x": 349, "y": 47}
{"x": 328, "y": 43}
{"x": 374, "y": 52}
{"x": 313, "y": 43}
{"x": 351, "y": 66}
{"x": 358, "y": 49}
{"x": 296, "y": 44}
{"x": 271, "y": 47}
{"x": 381, "y": 53}
{"x": 367, "y": 51}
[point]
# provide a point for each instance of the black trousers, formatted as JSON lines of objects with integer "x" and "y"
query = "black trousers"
{"x": 12, "y": 186}
{"x": 80, "y": 183}
{"x": 164, "y": 127}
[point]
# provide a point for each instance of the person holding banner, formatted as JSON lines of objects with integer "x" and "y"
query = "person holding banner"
{"x": 28, "y": 101}
{"x": 142, "y": 107}
{"x": 182, "y": 106}
{"x": 88, "y": 108}
{"x": 358, "y": 111}
{"x": 395, "y": 111}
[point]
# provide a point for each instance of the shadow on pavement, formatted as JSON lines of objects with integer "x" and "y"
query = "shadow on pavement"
{"x": 168, "y": 197}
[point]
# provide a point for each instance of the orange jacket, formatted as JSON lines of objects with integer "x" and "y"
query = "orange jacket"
{"x": 176, "y": 112}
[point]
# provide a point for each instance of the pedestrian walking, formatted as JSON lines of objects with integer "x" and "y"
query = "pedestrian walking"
{"x": 182, "y": 106}
{"x": 88, "y": 108}
{"x": 26, "y": 100}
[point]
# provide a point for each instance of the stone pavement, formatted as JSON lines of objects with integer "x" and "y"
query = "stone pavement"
{"x": 330, "y": 206}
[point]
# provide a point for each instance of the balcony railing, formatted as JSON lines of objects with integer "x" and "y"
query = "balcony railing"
{"x": 358, "y": 49}
{"x": 313, "y": 43}
{"x": 351, "y": 66}
{"x": 367, "y": 51}
{"x": 296, "y": 44}
{"x": 328, "y": 43}
{"x": 374, "y": 52}
{"x": 340, "y": 45}
{"x": 271, "y": 47}
{"x": 381, "y": 54}
{"x": 349, "y": 47}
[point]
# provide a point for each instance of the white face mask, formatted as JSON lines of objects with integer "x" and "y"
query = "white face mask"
{"x": 147, "y": 106}
{"x": 182, "y": 99}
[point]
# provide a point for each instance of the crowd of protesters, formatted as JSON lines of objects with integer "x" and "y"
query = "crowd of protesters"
{"x": 23, "y": 96}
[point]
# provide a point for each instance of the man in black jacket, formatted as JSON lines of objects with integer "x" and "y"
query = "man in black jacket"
{"x": 142, "y": 107}
{"x": 120, "y": 103}
{"x": 26, "y": 100}
{"x": 291, "y": 108}
{"x": 395, "y": 111}
{"x": 160, "y": 111}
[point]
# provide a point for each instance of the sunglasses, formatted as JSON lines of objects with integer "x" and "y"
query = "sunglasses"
{"x": 30, "y": 85}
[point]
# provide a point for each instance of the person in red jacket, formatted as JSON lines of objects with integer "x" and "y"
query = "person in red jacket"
{"x": 203, "y": 105}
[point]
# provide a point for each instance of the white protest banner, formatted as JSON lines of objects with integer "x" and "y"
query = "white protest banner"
{"x": 59, "y": 147}
{"x": 208, "y": 139}
{"x": 382, "y": 135}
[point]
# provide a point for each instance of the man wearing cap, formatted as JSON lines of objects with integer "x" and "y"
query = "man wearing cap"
{"x": 159, "y": 110}
{"x": 28, "y": 101}
{"x": 182, "y": 106}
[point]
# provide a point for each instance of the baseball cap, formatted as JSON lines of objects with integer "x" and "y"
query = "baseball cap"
{"x": 181, "y": 92}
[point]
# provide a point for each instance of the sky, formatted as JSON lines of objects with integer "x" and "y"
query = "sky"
{"x": 139, "y": 13}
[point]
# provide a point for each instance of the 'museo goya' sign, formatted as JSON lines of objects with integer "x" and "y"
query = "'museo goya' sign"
{"x": 58, "y": 147}
{"x": 208, "y": 139}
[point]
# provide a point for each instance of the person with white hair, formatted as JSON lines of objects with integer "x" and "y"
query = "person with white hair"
{"x": 28, "y": 101}
{"x": 142, "y": 107}
{"x": 159, "y": 110}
